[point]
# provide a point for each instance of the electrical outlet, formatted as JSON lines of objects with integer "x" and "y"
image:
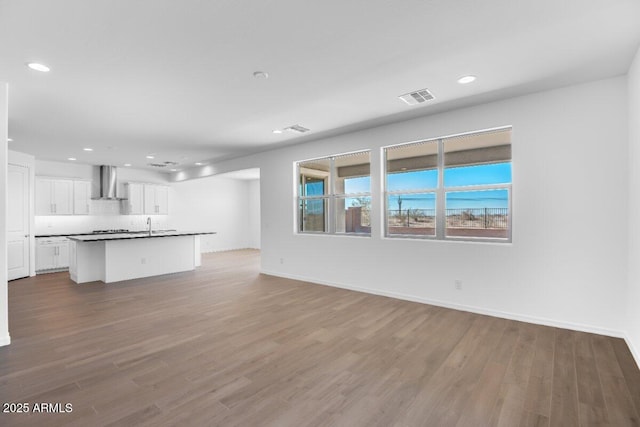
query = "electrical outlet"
{"x": 458, "y": 284}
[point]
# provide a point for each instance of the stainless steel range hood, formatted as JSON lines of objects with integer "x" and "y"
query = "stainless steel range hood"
{"x": 108, "y": 183}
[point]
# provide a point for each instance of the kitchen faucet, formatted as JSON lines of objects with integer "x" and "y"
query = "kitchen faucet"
{"x": 149, "y": 224}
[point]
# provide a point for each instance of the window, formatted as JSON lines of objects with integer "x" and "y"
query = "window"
{"x": 450, "y": 188}
{"x": 334, "y": 194}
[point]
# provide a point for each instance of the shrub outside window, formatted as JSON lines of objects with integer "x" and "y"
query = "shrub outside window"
{"x": 450, "y": 188}
{"x": 334, "y": 194}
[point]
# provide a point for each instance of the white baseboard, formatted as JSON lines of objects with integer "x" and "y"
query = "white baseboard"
{"x": 634, "y": 351}
{"x": 213, "y": 251}
{"x": 472, "y": 309}
{"x": 5, "y": 340}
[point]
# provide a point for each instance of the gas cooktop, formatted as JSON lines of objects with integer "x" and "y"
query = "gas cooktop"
{"x": 112, "y": 231}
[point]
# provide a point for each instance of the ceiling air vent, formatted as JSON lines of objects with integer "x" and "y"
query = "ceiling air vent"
{"x": 417, "y": 97}
{"x": 297, "y": 128}
{"x": 163, "y": 164}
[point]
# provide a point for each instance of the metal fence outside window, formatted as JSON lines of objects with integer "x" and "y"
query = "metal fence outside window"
{"x": 489, "y": 218}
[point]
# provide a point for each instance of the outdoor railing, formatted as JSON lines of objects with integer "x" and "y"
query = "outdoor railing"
{"x": 495, "y": 218}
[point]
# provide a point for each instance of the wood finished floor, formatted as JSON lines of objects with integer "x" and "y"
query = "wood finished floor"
{"x": 227, "y": 346}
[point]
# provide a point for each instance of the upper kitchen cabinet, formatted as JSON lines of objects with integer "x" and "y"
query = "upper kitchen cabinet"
{"x": 54, "y": 196}
{"x": 134, "y": 203}
{"x": 81, "y": 197}
{"x": 156, "y": 199}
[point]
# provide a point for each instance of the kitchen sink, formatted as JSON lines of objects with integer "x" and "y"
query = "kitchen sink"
{"x": 152, "y": 232}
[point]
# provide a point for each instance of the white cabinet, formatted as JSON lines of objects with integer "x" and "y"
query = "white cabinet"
{"x": 63, "y": 196}
{"x": 162, "y": 199}
{"x": 52, "y": 253}
{"x": 81, "y": 197}
{"x": 54, "y": 196}
{"x": 156, "y": 199}
{"x": 134, "y": 203}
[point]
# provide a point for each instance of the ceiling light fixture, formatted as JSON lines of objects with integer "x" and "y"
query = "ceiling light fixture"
{"x": 88, "y": 149}
{"x": 9, "y": 140}
{"x": 38, "y": 67}
{"x": 71, "y": 158}
{"x": 260, "y": 75}
{"x": 127, "y": 164}
{"x": 277, "y": 131}
{"x": 466, "y": 79}
{"x": 199, "y": 163}
{"x": 150, "y": 157}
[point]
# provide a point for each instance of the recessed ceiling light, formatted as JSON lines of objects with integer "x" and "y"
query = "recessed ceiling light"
{"x": 260, "y": 75}
{"x": 466, "y": 79}
{"x": 127, "y": 164}
{"x": 38, "y": 67}
{"x": 199, "y": 163}
{"x": 173, "y": 170}
{"x": 88, "y": 149}
{"x": 9, "y": 140}
{"x": 150, "y": 157}
{"x": 277, "y": 131}
{"x": 71, "y": 158}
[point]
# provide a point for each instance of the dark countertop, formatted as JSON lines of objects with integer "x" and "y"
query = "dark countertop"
{"x": 62, "y": 235}
{"x": 134, "y": 235}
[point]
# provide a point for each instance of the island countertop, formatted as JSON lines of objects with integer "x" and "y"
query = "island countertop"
{"x": 136, "y": 235}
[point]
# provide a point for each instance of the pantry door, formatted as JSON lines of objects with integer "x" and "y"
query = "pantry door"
{"x": 18, "y": 234}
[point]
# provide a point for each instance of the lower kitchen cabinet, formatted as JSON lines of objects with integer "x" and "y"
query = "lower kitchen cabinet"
{"x": 52, "y": 254}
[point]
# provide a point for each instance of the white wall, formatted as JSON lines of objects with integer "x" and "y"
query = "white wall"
{"x": 633, "y": 295}
{"x": 254, "y": 214}
{"x": 4, "y": 134}
{"x": 223, "y": 205}
{"x": 567, "y": 265}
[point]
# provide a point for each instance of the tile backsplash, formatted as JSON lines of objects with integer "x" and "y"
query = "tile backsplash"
{"x": 105, "y": 215}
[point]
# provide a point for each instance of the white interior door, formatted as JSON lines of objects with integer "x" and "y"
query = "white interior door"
{"x": 18, "y": 222}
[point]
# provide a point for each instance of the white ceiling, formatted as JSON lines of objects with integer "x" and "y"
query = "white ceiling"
{"x": 175, "y": 78}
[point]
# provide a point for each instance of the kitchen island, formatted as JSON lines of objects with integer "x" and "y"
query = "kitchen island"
{"x": 115, "y": 257}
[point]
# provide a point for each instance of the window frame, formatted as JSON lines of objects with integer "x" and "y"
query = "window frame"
{"x": 331, "y": 196}
{"x": 300, "y": 199}
{"x": 441, "y": 193}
